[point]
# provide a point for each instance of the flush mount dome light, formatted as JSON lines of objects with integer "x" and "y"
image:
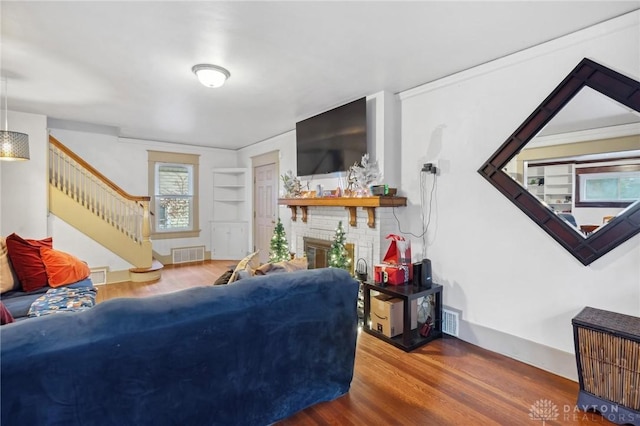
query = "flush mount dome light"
{"x": 211, "y": 75}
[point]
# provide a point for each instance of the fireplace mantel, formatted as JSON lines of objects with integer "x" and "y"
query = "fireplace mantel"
{"x": 350, "y": 203}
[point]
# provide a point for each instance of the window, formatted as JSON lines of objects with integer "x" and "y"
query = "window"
{"x": 607, "y": 186}
{"x": 173, "y": 181}
{"x": 174, "y": 197}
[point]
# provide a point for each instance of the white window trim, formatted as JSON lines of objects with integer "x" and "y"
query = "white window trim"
{"x": 598, "y": 172}
{"x": 155, "y": 157}
{"x": 584, "y": 179}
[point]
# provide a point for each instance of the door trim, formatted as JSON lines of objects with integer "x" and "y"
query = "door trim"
{"x": 272, "y": 157}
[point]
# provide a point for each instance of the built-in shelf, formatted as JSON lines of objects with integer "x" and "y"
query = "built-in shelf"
{"x": 552, "y": 183}
{"x": 230, "y": 219}
{"x": 350, "y": 203}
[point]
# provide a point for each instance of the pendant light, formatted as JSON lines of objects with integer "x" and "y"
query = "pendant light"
{"x": 14, "y": 146}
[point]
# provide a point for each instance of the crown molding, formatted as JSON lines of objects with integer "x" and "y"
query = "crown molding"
{"x": 611, "y": 26}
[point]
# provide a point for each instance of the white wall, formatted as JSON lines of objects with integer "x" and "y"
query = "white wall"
{"x": 23, "y": 184}
{"x": 383, "y": 136}
{"x": 124, "y": 161}
{"x": 70, "y": 240}
{"x": 499, "y": 269}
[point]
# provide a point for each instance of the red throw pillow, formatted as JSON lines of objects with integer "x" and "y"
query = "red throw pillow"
{"x": 26, "y": 261}
{"x": 63, "y": 268}
{"x": 5, "y": 315}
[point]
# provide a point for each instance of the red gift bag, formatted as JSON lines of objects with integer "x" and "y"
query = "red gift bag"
{"x": 399, "y": 252}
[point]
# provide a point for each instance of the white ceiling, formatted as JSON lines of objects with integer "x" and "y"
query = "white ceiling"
{"x": 127, "y": 65}
{"x": 588, "y": 110}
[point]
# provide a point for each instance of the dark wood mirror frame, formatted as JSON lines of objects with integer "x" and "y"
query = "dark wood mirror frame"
{"x": 624, "y": 226}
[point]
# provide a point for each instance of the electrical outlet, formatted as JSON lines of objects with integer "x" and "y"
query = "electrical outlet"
{"x": 429, "y": 168}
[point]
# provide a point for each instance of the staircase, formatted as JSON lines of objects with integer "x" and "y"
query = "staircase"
{"x": 84, "y": 198}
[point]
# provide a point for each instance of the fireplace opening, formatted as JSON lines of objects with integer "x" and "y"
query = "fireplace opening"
{"x": 317, "y": 252}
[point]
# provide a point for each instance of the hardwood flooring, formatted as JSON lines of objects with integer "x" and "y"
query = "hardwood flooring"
{"x": 446, "y": 382}
{"x": 174, "y": 278}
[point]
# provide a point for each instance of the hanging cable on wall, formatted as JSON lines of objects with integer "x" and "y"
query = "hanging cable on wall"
{"x": 423, "y": 207}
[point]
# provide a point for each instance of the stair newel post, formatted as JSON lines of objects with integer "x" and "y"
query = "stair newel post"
{"x": 146, "y": 226}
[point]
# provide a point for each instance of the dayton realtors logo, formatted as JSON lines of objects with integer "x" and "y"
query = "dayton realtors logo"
{"x": 544, "y": 410}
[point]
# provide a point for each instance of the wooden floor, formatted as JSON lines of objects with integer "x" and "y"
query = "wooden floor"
{"x": 446, "y": 382}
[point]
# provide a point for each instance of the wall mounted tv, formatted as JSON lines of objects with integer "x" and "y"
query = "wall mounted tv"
{"x": 332, "y": 141}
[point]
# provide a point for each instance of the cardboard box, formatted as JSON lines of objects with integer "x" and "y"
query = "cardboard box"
{"x": 386, "y": 314}
{"x": 392, "y": 274}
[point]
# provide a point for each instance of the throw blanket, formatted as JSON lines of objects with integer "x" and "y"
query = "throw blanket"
{"x": 63, "y": 299}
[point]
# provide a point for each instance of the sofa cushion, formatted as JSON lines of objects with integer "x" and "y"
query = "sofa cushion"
{"x": 8, "y": 280}
{"x": 19, "y": 306}
{"x": 244, "y": 264}
{"x": 26, "y": 261}
{"x": 245, "y": 273}
{"x": 63, "y": 268}
{"x": 224, "y": 278}
{"x": 297, "y": 264}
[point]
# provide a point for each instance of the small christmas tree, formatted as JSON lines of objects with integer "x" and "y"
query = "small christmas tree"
{"x": 338, "y": 256}
{"x": 279, "y": 247}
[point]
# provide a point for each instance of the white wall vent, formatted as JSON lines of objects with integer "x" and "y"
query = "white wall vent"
{"x": 98, "y": 276}
{"x": 187, "y": 254}
{"x": 450, "y": 322}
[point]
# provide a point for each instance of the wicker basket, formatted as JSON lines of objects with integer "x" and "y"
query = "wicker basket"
{"x": 608, "y": 358}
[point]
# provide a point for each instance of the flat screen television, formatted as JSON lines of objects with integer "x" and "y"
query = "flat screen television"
{"x": 332, "y": 141}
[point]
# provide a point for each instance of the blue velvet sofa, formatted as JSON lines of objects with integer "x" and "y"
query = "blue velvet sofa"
{"x": 248, "y": 353}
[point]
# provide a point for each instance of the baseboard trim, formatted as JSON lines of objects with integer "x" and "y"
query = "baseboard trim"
{"x": 167, "y": 260}
{"x": 532, "y": 353}
{"x": 118, "y": 276}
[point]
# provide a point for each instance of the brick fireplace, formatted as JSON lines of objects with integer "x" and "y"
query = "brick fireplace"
{"x": 318, "y": 252}
{"x": 369, "y": 243}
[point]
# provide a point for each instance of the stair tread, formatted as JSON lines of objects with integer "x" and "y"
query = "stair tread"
{"x": 155, "y": 266}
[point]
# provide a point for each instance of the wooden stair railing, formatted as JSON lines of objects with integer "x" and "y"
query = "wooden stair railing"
{"x": 127, "y": 215}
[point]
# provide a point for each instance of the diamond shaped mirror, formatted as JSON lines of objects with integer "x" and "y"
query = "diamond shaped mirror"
{"x": 573, "y": 166}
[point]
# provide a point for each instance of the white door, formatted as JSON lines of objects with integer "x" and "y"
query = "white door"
{"x": 265, "y": 204}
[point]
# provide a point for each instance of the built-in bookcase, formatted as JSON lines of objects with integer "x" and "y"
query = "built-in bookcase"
{"x": 230, "y": 223}
{"x": 552, "y": 184}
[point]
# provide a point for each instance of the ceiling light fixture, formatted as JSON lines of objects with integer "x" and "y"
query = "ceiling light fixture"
{"x": 211, "y": 75}
{"x": 14, "y": 146}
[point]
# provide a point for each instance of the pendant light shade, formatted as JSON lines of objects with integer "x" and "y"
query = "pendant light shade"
{"x": 14, "y": 146}
{"x": 211, "y": 75}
